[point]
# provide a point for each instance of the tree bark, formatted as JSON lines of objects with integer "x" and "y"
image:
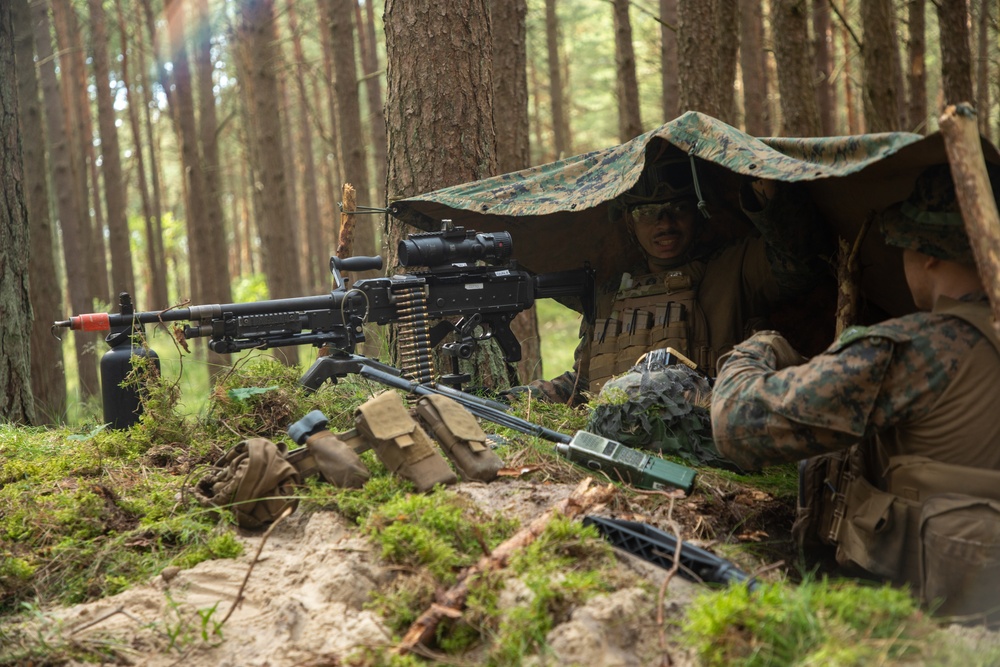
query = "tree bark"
{"x": 799, "y": 111}
{"x": 916, "y": 75}
{"x": 256, "y": 38}
{"x": 312, "y": 245}
{"x": 956, "y": 58}
{"x": 560, "y": 120}
{"x": 48, "y": 373}
{"x": 707, "y": 66}
{"x": 16, "y": 402}
{"x": 975, "y": 197}
{"x": 373, "y": 87}
{"x": 451, "y": 139}
{"x": 668, "y": 58}
{"x": 822, "y": 47}
{"x": 855, "y": 123}
{"x": 983, "y": 69}
{"x": 881, "y": 91}
{"x": 753, "y": 62}
{"x": 728, "y": 40}
{"x": 626, "y": 83}
{"x": 122, "y": 276}
{"x": 75, "y": 237}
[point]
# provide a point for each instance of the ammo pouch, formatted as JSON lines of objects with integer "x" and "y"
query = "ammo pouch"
{"x": 461, "y": 437}
{"x": 919, "y": 529}
{"x": 400, "y": 443}
{"x": 254, "y": 480}
{"x": 327, "y": 455}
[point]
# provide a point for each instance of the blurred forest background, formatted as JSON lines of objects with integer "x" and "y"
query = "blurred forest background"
{"x": 196, "y": 149}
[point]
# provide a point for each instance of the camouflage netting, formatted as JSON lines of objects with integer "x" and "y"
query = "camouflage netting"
{"x": 662, "y": 408}
{"x": 563, "y": 205}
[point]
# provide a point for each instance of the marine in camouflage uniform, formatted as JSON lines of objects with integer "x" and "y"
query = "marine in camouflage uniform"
{"x": 691, "y": 294}
{"x": 917, "y": 392}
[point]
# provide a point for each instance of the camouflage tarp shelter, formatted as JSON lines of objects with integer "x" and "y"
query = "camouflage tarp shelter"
{"x": 558, "y": 218}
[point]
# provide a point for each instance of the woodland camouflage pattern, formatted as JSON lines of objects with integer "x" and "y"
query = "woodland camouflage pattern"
{"x": 870, "y": 380}
{"x": 585, "y": 181}
{"x": 929, "y": 221}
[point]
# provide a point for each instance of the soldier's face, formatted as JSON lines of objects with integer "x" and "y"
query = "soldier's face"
{"x": 665, "y": 230}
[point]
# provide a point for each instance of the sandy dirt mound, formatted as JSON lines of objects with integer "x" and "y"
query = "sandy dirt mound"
{"x": 303, "y": 603}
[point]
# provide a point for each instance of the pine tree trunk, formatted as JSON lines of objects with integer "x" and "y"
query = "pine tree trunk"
{"x": 332, "y": 137}
{"x": 983, "y": 69}
{"x": 855, "y": 124}
{"x": 122, "y": 276}
{"x": 753, "y": 63}
{"x": 16, "y": 403}
{"x": 48, "y": 373}
{"x": 256, "y": 37}
{"x": 822, "y": 46}
{"x": 626, "y": 84}
{"x": 510, "y": 113}
{"x": 707, "y": 42}
{"x": 668, "y": 58}
{"x": 881, "y": 93}
{"x": 916, "y": 48}
{"x": 453, "y": 139}
{"x": 956, "y": 58}
{"x": 352, "y": 142}
{"x": 560, "y": 120}
{"x": 799, "y": 111}
{"x": 312, "y": 246}
{"x": 75, "y": 238}
{"x": 728, "y": 40}
{"x": 373, "y": 87}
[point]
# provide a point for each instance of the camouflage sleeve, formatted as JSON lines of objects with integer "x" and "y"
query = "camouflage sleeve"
{"x": 860, "y": 386}
{"x": 795, "y": 239}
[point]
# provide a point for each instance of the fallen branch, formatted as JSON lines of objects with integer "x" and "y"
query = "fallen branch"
{"x": 451, "y": 603}
{"x": 256, "y": 557}
{"x": 348, "y": 208}
{"x": 848, "y": 278}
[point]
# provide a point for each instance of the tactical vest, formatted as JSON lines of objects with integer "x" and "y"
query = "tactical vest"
{"x": 650, "y": 312}
{"x": 915, "y": 519}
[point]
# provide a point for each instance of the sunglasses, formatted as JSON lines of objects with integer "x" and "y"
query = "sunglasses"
{"x": 649, "y": 214}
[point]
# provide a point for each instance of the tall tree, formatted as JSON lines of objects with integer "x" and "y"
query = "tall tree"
{"x": 983, "y": 69}
{"x": 706, "y": 66}
{"x": 855, "y": 122}
{"x": 154, "y": 269}
{"x": 626, "y": 83}
{"x": 16, "y": 402}
{"x": 373, "y": 87}
{"x": 452, "y": 140}
{"x": 122, "y": 276}
{"x": 352, "y": 138}
{"x": 312, "y": 244}
{"x": 668, "y": 58}
{"x": 822, "y": 48}
{"x": 881, "y": 91}
{"x": 799, "y": 110}
{"x": 753, "y": 63}
{"x": 956, "y": 57}
{"x": 72, "y": 222}
{"x": 916, "y": 73}
{"x": 510, "y": 114}
{"x": 256, "y": 38}
{"x": 560, "y": 119}
{"x": 48, "y": 372}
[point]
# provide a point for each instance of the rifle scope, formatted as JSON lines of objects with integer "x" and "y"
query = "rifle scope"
{"x": 455, "y": 246}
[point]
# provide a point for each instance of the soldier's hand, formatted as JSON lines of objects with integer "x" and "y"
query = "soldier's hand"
{"x": 764, "y": 190}
{"x": 784, "y": 354}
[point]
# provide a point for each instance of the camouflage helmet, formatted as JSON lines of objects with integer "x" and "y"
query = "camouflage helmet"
{"x": 929, "y": 220}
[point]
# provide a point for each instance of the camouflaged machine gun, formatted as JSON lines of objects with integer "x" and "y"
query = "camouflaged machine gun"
{"x": 468, "y": 274}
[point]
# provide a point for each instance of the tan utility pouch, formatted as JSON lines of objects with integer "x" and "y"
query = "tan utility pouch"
{"x": 461, "y": 437}
{"x": 819, "y": 479}
{"x": 960, "y": 555}
{"x": 400, "y": 443}
{"x": 327, "y": 455}
{"x": 254, "y": 480}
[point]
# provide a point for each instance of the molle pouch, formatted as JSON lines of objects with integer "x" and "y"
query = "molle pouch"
{"x": 400, "y": 443}
{"x": 873, "y": 530}
{"x": 460, "y": 436}
{"x": 325, "y": 454}
{"x": 819, "y": 479}
{"x": 254, "y": 480}
{"x": 960, "y": 556}
{"x": 606, "y": 336}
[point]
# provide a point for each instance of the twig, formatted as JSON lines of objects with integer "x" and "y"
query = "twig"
{"x": 256, "y": 557}
{"x": 667, "y": 660}
{"x": 100, "y": 619}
